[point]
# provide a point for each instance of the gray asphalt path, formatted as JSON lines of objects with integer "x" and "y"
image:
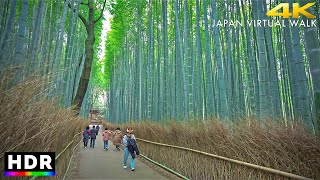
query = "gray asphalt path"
{"x": 96, "y": 163}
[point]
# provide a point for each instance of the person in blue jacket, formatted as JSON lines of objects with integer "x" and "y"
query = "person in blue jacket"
{"x": 130, "y": 146}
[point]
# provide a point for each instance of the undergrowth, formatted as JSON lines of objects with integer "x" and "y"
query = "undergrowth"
{"x": 268, "y": 144}
{"x": 31, "y": 123}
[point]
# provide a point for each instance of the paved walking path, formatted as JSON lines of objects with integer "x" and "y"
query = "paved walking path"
{"x": 96, "y": 163}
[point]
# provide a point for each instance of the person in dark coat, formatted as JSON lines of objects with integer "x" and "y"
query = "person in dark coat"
{"x": 93, "y": 136}
{"x": 86, "y": 136}
{"x": 97, "y": 129}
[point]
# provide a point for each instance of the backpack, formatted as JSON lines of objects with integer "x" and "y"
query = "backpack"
{"x": 132, "y": 147}
{"x": 86, "y": 133}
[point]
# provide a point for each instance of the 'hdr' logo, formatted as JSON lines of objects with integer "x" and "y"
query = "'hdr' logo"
{"x": 296, "y": 10}
{"x": 29, "y": 164}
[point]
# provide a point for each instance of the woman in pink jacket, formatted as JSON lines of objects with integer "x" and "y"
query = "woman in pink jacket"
{"x": 106, "y": 136}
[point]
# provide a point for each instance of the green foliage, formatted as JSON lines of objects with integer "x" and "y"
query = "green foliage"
{"x": 123, "y": 12}
{"x": 97, "y": 74}
{"x": 230, "y": 55}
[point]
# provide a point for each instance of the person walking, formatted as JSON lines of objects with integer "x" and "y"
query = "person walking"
{"x": 130, "y": 147}
{"x": 117, "y": 137}
{"x": 86, "y": 136}
{"x": 97, "y": 129}
{"x": 93, "y": 137}
{"x": 106, "y": 137}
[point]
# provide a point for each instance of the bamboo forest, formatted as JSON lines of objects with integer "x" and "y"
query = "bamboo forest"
{"x": 172, "y": 60}
{"x": 211, "y": 89}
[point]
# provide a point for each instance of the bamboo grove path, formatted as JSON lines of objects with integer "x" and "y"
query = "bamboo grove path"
{"x": 96, "y": 163}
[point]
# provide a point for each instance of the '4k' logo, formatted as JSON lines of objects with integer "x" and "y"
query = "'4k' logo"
{"x": 296, "y": 10}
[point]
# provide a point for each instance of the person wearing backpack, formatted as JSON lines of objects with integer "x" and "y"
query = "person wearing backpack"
{"x": 93, "y": 137}
{"x": 86, "y": 136}
{"x": 133, "y": 150}
{"x": 106, "y": 137}
{"x": 130, "y": 147}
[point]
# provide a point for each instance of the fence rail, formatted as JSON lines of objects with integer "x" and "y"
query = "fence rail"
{"x": 266, "y": 169}
{"x": 57, "y": 157}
